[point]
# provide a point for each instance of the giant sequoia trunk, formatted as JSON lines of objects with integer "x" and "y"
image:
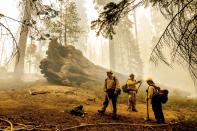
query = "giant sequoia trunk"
{"x": 65, "y": 65}
{"x": 20, "y": 58}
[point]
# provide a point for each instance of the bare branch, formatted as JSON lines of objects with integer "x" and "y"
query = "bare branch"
{"x": 16, "y": 49}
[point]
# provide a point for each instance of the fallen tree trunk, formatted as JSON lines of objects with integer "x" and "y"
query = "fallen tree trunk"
{"x": 66, "y": 65}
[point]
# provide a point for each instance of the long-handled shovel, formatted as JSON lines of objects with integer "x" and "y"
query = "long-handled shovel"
{"x": 147, "y": 118}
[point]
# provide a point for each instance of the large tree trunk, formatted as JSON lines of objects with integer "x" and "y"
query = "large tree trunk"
{"x": 66, "y": 65}
{"x": 112, "y": 55}
{"x": 19, "y": 65}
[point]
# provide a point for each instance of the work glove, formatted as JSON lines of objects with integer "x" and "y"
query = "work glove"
{"x": 139, "y": 81}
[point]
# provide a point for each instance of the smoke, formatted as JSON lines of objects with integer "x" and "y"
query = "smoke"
{"x": 176, "y": 79}
{"x": 96, "y": 45}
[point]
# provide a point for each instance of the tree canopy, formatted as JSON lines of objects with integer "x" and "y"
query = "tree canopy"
{"x": 180, "y": 34}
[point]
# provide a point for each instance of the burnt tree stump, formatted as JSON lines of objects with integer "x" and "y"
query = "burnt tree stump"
{"x": 65, "y": 65}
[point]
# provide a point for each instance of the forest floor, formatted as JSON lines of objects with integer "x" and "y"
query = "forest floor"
{"x": 44, "y": 107}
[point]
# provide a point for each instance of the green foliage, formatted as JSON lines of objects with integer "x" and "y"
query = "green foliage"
{"x": 111, "y": 15}
{"x": 109, "y": 18}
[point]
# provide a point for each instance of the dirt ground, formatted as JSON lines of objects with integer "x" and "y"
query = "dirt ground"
{"x": 44, "y": 107}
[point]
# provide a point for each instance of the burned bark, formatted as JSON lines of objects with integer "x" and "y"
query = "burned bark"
{"x": 66, "y": 65}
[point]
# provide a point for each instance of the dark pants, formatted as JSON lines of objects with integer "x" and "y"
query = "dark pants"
{"x": 110, "y": 96}
{"x": 157, "y": 109}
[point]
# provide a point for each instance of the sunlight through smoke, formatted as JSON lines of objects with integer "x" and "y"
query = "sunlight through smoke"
{"x": 94, "y": 43}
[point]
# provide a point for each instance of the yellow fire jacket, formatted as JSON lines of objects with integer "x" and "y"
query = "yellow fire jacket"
{"x": 111, "y": 84}
{"x": 131, "y": 84}
{"x": 151, "y": 92}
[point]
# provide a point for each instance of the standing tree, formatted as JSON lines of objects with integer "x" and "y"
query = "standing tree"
{"x": 71, "y": 25}
{"x": 19, "y": 66}
{"x": 33, "y": 10}
{"x": 67, "y": 24}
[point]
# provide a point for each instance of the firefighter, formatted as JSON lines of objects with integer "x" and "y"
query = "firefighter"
{"x": 131, "y": 84}
{"x": 152, "y": 95}
{"x": 111, "y": 87}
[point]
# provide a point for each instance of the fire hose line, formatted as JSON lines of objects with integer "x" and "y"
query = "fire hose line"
{"x": 11, "y": 125}
{"x": 129, "y": 124}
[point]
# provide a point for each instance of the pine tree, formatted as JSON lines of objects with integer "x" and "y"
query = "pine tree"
{"x": 71, "y": 26}
{"x": 67, "y": 26}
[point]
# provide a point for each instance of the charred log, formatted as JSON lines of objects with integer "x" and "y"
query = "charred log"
{"x": 66, "y": 65}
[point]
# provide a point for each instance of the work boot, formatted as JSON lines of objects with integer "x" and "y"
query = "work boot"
{"x": 163, "y": 122}
{"x": 134, "y": 110}
{"x": 101, "y": 112}
{"x": 114, "y": 117}
{"x": 158, "y": 122}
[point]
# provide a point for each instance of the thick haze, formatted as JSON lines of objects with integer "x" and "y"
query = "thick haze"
{"x": 96, "y": 49}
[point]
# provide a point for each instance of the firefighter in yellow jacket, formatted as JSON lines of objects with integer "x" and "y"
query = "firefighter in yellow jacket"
{"x": 152, "y": 95}
{"x": 111, "y": 87}
{"x": 131, "y": 84}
